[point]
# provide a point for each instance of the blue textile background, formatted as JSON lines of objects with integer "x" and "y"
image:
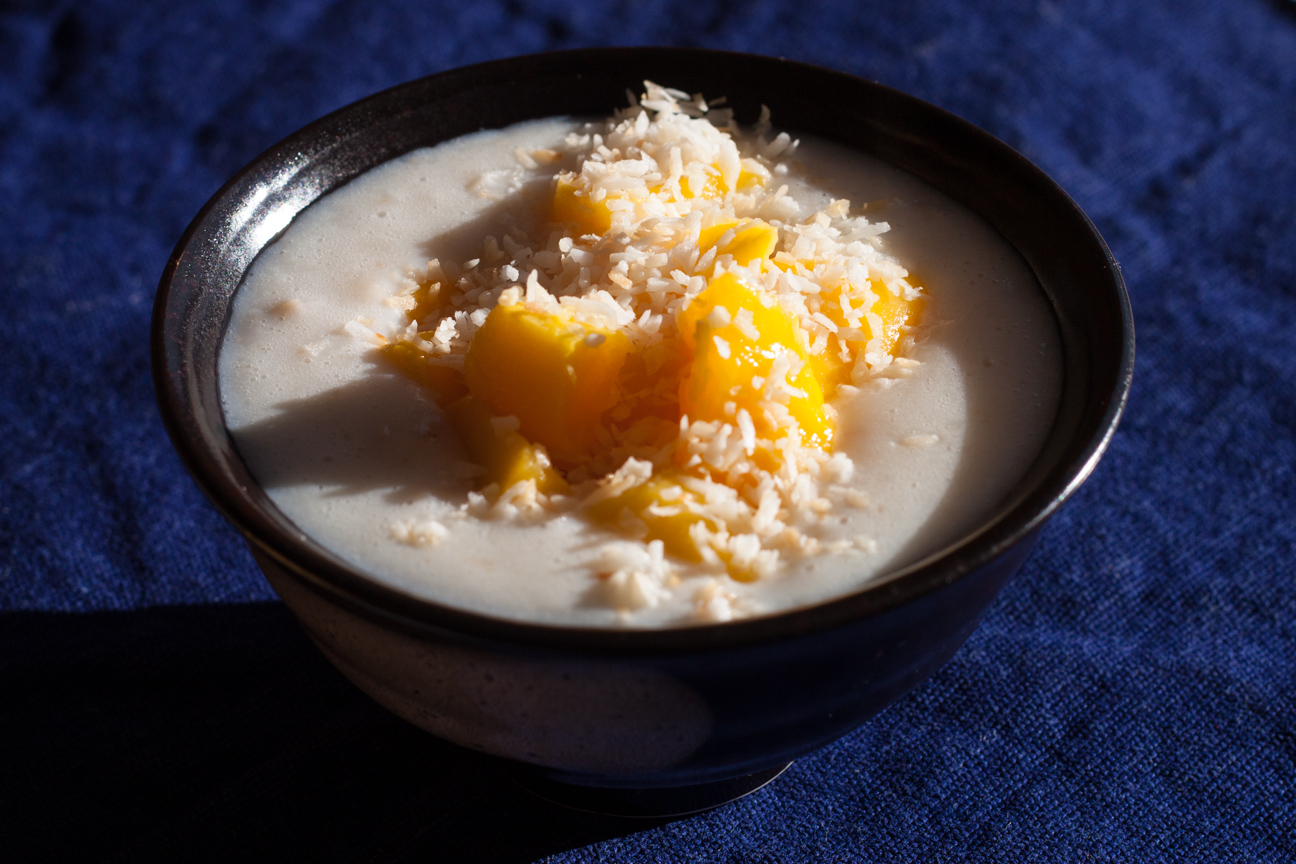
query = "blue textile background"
{"x": 1130, "y": 697}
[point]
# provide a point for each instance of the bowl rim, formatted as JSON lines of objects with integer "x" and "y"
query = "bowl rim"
{"x": 197, "y": 439}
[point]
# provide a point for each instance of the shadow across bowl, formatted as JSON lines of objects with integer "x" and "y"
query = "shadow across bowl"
{"x": 644, "y": 722}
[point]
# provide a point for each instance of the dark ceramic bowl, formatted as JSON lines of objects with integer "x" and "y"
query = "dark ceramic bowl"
{"x": 634, "y": 721}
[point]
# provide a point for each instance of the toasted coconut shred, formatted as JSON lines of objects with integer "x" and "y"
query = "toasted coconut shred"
{"x": 705, "y": 329}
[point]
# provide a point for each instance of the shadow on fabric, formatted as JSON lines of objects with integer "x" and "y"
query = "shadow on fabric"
{"x": 219, "y": 733}
{"x": 1287, "y": 6}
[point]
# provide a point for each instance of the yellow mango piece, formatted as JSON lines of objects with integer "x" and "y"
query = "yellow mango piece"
{"x": 427, "y": 302}
{"x": 444, "y": 383}
{"x": 646, "y": 417}
{"x": 726, "y": 360}
{"x": 810, "y": 411}
{"x": 753, "y": 240}
{"x": 572, "y": 206}
{"x": 717, "y": 380}
{"x": 830, "y": 370}
{"x": 659, "y": 502}
{"x": 727, "y": 291}
{"x": 785, "y": 262}
{"x": 649, "y": 432}
{"x": 895, "y": 312}
{"x": 715, "y": 185}
{"x": 713, "y": 188}
{"x": 662, "y": 504}
{"x": 556, "y": 376}
{"x": 707, "y": 237}
{"x": 505, "y": 454}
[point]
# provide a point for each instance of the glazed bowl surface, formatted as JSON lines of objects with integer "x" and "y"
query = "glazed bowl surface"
{"x": 644, "y": 721}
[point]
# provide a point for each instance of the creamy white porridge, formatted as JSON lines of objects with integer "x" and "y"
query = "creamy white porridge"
{"x": 363, "y": 459}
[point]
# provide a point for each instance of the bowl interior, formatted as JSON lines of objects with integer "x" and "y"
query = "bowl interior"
{"x": 1054, "y": 237}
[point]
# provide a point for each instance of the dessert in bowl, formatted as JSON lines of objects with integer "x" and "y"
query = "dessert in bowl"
{"x": 604, "y": 699}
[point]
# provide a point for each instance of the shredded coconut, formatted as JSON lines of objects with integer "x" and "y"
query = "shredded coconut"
{"x": 427, "y": 532}
{"x": 751, "y": 487}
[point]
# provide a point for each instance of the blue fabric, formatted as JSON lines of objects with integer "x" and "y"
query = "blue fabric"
{"x": 1130, "y": 696}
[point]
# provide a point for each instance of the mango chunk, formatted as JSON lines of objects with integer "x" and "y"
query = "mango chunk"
{"x": 714, "y": 187}
{"x": 753, "y": 240}
{"x": 831, "y": 371}
{"x": 727, "y": 291}
{"x": 736, "y": 341}
{"x": 668, "y": 509}
{"x": 427, "y": 302}
{"x": 894, "y": 310}
{"x": 445, "y": 383}
{"x": 572, "y": 206}
{"x": 505, "y": 454}
{"x": 645, "y": 420}
{"x": 895, "y": 313}
{"x": 555, "y": 375}
{"x": 663, "y": 505}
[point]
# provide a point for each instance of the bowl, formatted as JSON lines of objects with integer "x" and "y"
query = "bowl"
{"x": 633, "y": 721}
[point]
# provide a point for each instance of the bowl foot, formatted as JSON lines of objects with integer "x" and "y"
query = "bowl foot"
{"x": 642, "y": 803}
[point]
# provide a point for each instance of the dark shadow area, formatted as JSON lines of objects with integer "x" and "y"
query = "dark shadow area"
{"x": 524, "y": 209}
{"x": 219, "y": 733}
{"x": 1288, "y": 6}
{"x": 378, "y": 432}
{"x": 369, "y": 434}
